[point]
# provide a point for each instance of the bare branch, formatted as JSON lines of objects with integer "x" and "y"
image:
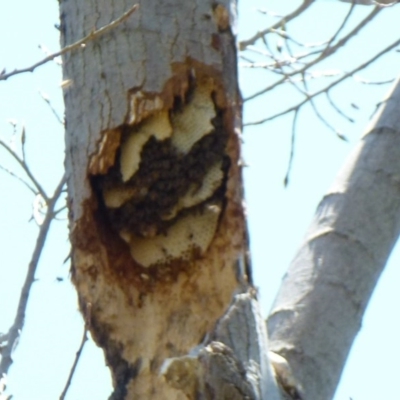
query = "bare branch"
{"x": 366, "y": 82}
{"x": 321, "y": 117}
{"x": 53, "y": 110}
{"x": 307, "y": 96}
{"x": 337, "y": 109}
{"x": 58, "y": 211}
{"x": 327, "y": 52}
{"x": 26, "y": 169}
{"x": 23, "y": 141}
{"x": 15, "y": 330}
{"x": 79, "y": 44}
{"x": 75, "y": 364}
{"x": 285, "y": 35}
{"x": 325, "y": 121}
{"x": 342, "y": 25}
{"x": 244, "y": 43}
{"x": 329, "y": 250}
{"x": 292, "y": 144}
{"x": 325, "y": 89}
{"x": 381, "y": 3}
{"x": 9, "y": 172}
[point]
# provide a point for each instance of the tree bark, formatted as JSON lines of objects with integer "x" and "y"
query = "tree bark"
{"x": 319, "y": 308}
{"x": 370, "y": 2}
{"x": 158, "y": 234}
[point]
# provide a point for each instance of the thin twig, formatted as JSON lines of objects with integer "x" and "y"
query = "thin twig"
{"x": 9, "y": 172}
{"x": 318, "y": 114}
{"x": 370, "y": 2}
{"x": 92, "y": 35}
{"x": 23, "y": 141}
{"x": 292, "y": 145}
{"x": 333, "y": 84}
{"x": 365, "y": 82}
{"x": 307, "y": 96}
{"x": 244, "y": 43}
{"x": 26, "y": 169}
{"x": 58, "y": 211}
{"x": 75, "y": 364}
{"x": 337, "y": 109}
{"x": 284, "y": 35}
{"x": 19, "y": 320}
{"x": 325, "y": 121}
{"x": 342, "y": 25}
{"x": 323, "y": 55}
{"x": 53, "y": 110}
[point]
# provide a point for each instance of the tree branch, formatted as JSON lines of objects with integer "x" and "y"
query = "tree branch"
{"x": 292, "y": 146}
{"x": 325, "y": 89}
{"x": 79, "y": 44}
{"x": 244, "y": 43}
{"x": 327, "y": 52}
{"x": 53, "y": 110}
{"x": 15, "y": 330}
{"x": 319, "y": 308}
{"x": 74, "y": 365}
{"x": 23, "y": 181}
{"x": 25, "y": 167}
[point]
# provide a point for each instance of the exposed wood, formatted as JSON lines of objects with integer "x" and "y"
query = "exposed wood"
{"x": 157, "y": 225}
{"x": 232, "y": 363}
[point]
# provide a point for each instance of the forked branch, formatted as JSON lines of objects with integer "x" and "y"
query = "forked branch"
{"x": 15, "y": 330}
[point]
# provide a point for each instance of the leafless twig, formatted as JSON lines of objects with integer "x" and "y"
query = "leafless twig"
{"x": 337, "y": 109}
{"x": 53, "y": 110}
{"x": 244, "y": 43}
{"x": 60, "y": 210}
{"x": 75, "y": 364}
{"x": 366, "y": 82}
{"x": 328, "y": 87}
{"x": 21, "y": 161}
{"x": 292, "y": 146}
{"x": 9, "y": 172}
{"x": 327, "y": 52}
{"x": 342, "y": 25}
{"x": 19, "y": 320}
{"x": 79, "y": 44}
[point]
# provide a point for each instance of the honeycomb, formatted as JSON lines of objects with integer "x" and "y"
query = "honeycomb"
{"x": 165, "y": 193}
{"x": 190, "y": 234}
{"x": 195, "y": 195}
{"x": 157, "y": 125}
{"x": 194, "y": 121}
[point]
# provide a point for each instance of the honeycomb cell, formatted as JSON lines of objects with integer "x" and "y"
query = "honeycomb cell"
{"x": 190, "y": 235}
{"x": 157, "y": 125}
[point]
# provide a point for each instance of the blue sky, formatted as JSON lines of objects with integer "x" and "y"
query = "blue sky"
{"x": 278, "y": 217}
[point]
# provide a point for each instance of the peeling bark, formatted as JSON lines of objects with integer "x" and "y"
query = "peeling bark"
{"x": 157, "y": 226}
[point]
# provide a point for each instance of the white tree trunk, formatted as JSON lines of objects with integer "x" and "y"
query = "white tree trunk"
{"x": 319, "y": 308}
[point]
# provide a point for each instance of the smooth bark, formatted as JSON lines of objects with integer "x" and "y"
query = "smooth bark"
{"x": 320, "y": 305}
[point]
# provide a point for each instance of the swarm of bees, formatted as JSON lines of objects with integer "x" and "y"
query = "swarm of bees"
{"x": 165, "y": 193}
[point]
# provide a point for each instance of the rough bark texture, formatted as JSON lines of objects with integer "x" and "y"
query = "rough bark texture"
{"x": 234, "y": 364}
{"x": 154, "y": 181}
{"x": 319, "y": 308}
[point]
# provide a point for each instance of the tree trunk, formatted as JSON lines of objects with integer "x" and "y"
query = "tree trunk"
{"x": 157, "y": 226}
{"x": 320, "y": 305}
